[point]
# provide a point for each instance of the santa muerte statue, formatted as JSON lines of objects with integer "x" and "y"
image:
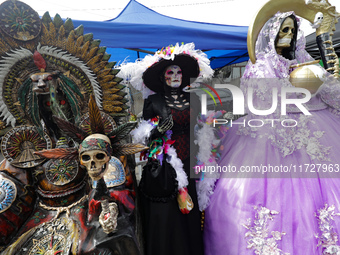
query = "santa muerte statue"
{"x": 59, "y": 103}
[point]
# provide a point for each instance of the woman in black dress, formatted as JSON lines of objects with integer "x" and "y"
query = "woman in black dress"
{"x": 170, "y": 211}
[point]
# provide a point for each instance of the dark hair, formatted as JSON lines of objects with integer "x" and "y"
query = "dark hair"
{"x": 289, "y": 52}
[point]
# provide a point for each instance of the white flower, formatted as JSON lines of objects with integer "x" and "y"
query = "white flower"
{"x": 312, "y": 149}
{"x": 318, "y": 134}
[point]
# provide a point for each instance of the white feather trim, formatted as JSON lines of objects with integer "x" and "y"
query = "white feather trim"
{"x": 177, "y": 164}
{"x": 142, "y": 132}
{"x": 205, "y": 188}
{"x": 5, "y": 67}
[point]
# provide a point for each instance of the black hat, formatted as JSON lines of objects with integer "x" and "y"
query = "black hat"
{"x": 153, "y": 76}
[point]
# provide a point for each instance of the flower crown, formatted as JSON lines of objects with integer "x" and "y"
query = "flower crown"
{"x": 171, "y": 50}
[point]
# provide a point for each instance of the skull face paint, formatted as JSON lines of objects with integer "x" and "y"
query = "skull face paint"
{"x": 285, "y": 35}
{"x": 95, "y": 153}
{"x": 173, "y": 76}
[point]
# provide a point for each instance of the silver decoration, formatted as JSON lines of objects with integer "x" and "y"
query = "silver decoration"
{"x": 258, "y": 236}
{"x": 328, "y": 239}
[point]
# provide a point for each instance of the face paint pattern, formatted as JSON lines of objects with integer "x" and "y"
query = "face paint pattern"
{"x": 173, "y": 76}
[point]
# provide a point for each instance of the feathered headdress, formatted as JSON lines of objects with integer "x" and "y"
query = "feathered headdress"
{"x": 96, "y": 127}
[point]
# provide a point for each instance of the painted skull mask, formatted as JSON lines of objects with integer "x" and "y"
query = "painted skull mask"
{"x": 173, "y": 76}
{"x": 95, "y": 153}
{"x": 286, "y": 33}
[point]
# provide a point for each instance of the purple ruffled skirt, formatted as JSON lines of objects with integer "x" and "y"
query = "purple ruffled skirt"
{"x": 291, "y": 213}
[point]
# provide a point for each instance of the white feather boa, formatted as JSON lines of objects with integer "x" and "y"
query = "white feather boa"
{"x": 142, "y": 133}
{"x": 206, "y": 141}
{"x": 177, "y": 164}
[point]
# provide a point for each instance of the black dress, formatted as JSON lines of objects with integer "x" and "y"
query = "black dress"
{"x": 167, "y": 231}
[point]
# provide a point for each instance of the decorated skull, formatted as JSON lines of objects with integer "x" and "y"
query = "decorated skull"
{"x": 95, "y": 153}
{"x": 286, "y": 33}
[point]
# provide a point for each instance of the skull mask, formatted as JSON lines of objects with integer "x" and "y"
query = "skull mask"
{"x": 95, "y": 153}
{"x": 173, "y": 76}
{"x": 286, "y": 34}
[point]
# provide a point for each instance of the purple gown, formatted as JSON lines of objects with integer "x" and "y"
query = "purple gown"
{"x": 295, "y": 212}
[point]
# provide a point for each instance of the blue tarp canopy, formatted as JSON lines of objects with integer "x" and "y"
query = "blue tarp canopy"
{"x": 138, "y": 31}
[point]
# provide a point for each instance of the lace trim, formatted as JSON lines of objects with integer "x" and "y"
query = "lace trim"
{"x": 330, "y": 92}
{"x": 300, "y": 138}
{"x": 258, "y": 234}
{"x": 328, "y": 239}
{"x": 310, "y": 107}
{"x": 289, "y": 140}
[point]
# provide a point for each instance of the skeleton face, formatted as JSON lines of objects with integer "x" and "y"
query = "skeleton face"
{"x": 286, "y": 33}
{"x": 173, "y": 76}
{"x": 95, "y": 153}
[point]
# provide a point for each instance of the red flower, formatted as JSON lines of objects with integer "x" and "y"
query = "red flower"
{"x": 154, "y": 119}
{"x": 94, "y": 207}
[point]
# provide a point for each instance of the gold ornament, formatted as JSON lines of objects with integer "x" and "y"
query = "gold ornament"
{"x": 307, "y": 77}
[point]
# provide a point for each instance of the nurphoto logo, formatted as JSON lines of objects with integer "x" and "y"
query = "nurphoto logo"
{"x": 239, "y": 105}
